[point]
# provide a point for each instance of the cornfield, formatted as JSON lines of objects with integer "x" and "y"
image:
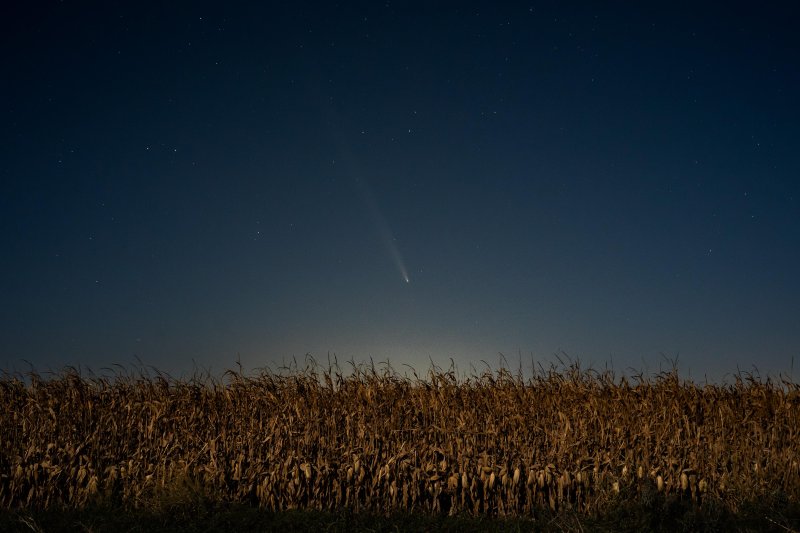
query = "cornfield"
{"x": 491, "y": 444}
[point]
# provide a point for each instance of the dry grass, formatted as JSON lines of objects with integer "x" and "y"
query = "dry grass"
{"x": 371, "y": 440}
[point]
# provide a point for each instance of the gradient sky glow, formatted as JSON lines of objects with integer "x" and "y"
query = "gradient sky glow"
{"x": 196, "y": 182}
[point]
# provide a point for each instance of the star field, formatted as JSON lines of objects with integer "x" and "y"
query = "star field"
{"x": 196, "y": 183}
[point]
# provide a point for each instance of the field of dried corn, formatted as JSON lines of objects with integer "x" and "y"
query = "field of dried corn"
{"x": 370, "y": 440}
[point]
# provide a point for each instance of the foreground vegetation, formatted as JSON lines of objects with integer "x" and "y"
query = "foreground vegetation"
{"x": 565, "y": 449}
{"x": 661, "y": 514}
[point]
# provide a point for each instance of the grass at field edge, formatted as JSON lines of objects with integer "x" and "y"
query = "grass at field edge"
{"x": 663, "y": 515}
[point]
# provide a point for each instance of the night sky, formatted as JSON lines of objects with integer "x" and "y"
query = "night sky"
{"x": 191, "y": 184}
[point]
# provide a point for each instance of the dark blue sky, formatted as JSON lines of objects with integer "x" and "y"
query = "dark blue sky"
{"x": 197, "y": 182}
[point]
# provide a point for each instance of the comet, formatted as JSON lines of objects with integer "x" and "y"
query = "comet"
{"x": 383, "y": 229}
{"x": 363, "y": 190}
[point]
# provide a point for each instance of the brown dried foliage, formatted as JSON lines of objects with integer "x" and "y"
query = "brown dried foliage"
{"x": 491, "y": 444}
